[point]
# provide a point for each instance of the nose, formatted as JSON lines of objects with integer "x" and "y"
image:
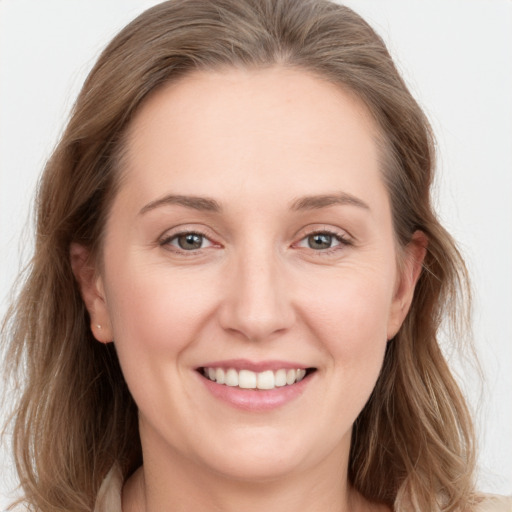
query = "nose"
{"x": 256, "y": 303}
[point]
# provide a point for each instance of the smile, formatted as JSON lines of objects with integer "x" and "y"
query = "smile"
{"x": 247, "y": 379}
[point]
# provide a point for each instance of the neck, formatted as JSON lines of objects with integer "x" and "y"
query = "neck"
{"x": 145, "y": 492}
{"x": 170, "y": 481}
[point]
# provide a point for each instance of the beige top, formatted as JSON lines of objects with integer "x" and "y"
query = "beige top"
{"x": 109, "y": 496}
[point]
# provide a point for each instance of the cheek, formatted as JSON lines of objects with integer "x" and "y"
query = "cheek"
{"x": 350, "y": 320}
{"x": 156, "y": 317}
{"x": 353, "y": 311}
{"x": 156, "y": 311}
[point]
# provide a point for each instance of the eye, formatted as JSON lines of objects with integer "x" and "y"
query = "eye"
{"x": 322, "y": 241}
{"x": 189, "y": 241}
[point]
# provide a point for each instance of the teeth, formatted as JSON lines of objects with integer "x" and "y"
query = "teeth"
{"x": 247, "y": 379}
{"x": 291, "y": 375}
{"x": 266, "y": 380}
{"x": 280, "y": 378}
{"x": 231, "y": 378}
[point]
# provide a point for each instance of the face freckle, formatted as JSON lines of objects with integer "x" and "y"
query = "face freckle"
{"x": 251, "y": 232}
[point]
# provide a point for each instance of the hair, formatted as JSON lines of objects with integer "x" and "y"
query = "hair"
{"x": 412, "y": 444}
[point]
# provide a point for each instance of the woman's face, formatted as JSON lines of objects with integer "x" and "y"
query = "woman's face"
{"x": 251, "y": 237}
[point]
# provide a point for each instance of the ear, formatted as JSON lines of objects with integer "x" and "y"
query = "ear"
{"x": 408, "y": 275}
{"x": 92, "y": 291}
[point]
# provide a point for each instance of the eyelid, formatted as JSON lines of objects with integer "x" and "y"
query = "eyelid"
{"x": 174, "y": 241}
{"x": 341, "y": 235}
{"x": 170, "y": 234}
{"x": 323, "y": 228}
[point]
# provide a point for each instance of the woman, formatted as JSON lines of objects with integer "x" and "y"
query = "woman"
{"x": 238, "y": 278}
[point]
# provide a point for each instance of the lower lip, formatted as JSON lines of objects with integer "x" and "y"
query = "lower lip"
{"x": 256, "y": 400}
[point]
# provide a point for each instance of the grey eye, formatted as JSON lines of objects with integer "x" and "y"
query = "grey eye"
{"x": 189, "y": 241}
{"x": 186, "y": 241}
{"x": 320, "y": 241}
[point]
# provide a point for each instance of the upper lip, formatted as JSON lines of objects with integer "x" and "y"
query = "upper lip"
{"x": 255, "y": 366}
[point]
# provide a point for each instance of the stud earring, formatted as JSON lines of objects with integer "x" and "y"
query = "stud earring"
{"x": 98, "y": 326}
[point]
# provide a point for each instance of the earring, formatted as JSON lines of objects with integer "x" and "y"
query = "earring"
{"x": 98, "y": 326}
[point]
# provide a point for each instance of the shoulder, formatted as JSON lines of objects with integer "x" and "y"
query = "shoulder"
{"x": 109, "y": 495}
{"x": 494, "y": 503}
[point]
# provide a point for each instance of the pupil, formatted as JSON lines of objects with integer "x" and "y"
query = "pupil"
{"x": 319, "y": 241}
{"x": 190, "y": 241}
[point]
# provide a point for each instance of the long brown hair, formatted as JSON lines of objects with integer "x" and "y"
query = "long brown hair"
{"x": 412, "y": 445}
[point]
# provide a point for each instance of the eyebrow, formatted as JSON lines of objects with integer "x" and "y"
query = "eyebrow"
{"x": 204, "y": 204}
{"x": 302, "y": 203}
{"x": 325, "y": 200}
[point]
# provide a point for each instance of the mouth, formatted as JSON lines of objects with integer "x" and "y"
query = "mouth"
{"x": 248, "y": 379}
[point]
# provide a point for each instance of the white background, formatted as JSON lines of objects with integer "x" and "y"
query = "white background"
{"x": 456, "y": 55}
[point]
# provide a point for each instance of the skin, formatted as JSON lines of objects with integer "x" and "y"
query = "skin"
{"x": 255, "y": 142}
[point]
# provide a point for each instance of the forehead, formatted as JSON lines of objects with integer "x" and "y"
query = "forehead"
{"x": 238, "y": 129}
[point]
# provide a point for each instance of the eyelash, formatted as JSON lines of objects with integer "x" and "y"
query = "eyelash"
{"x": 342, "y": 239}
{"x": 166, "y": 241}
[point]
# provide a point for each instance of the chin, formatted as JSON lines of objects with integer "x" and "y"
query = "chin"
{"x": 265, "y": 468}
{"x": 265, "y": 456}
